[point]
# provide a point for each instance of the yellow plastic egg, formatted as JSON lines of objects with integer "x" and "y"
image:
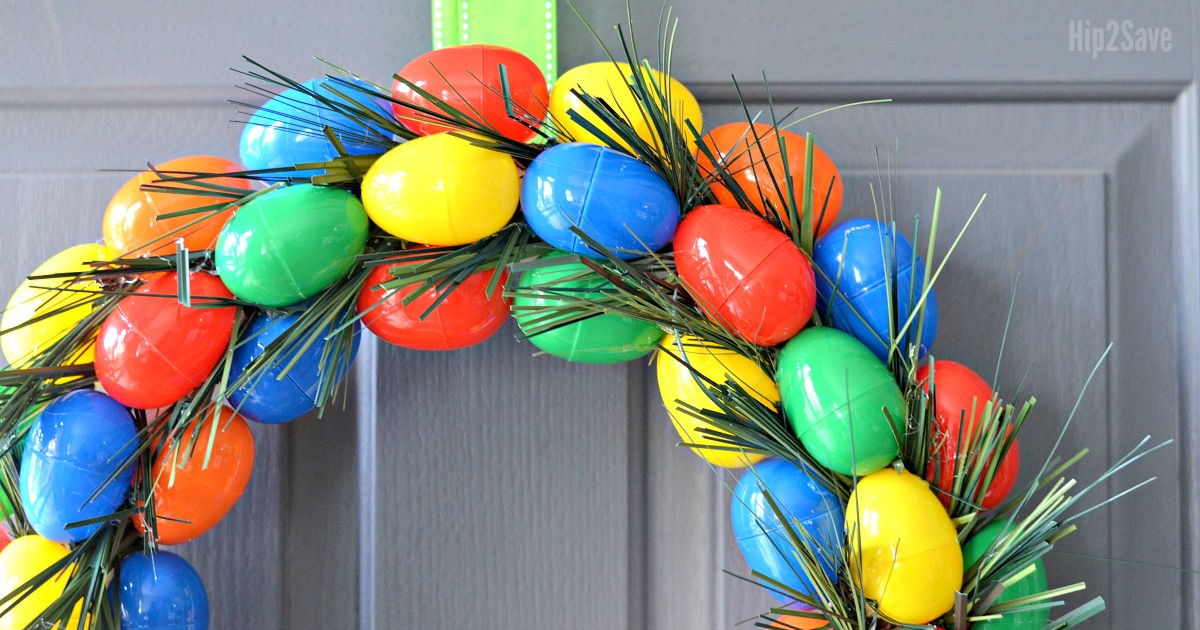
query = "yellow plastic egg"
{"x": 33, "y": 299}
{"x": 911, "y": 561}
{"x": 441, "y": 190}
{"x": 610, "y": 82}
{"x": 22, "y": 560}
{"x": 677, "y": 383}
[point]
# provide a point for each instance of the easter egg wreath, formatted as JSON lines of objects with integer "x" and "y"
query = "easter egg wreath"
{"x": 879, "y": 488}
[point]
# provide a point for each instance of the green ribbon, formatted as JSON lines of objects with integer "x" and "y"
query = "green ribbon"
{"x": 528, "y": 26}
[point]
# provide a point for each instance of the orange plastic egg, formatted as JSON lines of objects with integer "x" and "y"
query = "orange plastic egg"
{"x": 190, "y": 499}
{"x": 132, "y": 226}
{"x": 796, "y": 622}
{"x": 760, "y": 167}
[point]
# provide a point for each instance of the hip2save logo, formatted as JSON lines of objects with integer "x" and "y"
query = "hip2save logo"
{"x": 1116, "y": 36}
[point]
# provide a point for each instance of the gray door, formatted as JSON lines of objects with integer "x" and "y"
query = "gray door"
{"x": 489, "y": 488}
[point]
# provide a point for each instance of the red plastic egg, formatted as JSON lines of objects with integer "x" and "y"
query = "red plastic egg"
{"x": 958, "y": 390}
{"x": 466, "y": 317}
{"x": 190, "y": 499}
{"x": 132, "y": 226}
{"x": 152, "y": 350}
{"x": 468, "y": 78}
{"x": 757, "y": 164}
{"x": 745, "y": 274}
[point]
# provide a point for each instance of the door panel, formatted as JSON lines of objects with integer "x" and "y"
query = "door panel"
{"x": 503, "y": 488}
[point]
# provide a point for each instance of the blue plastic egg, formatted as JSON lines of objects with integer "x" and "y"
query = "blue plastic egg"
{"x": 864, "y": 260}
{"x": 78, "y": 441}
{"x": 161, "y": 592}
{"x": 809, "y": 507}
{"x": 289, "y": 128}
{"x": 616, "y": 200}
{"x": 267, "y": 398}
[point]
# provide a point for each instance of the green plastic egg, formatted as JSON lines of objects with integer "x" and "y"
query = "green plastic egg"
{"x": 1031, "y": 584}
{"x": 290, "y": 244}
{"x": 605, "y": 338}
{"x": 834, "y": 391}
{"x": 6, "y": 505}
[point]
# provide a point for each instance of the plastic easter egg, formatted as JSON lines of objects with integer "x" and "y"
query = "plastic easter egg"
{"x": 906, "y": 545}
{"x": 289, "y": 128}
{"x": 190, "y": 499}
{"x": 796, "y": 622}
{"x": 610, "y": 82}
{"x": 864, "y": 260}
{"x": 761, "y": 169}
{"x": 745, "y": 274}
{"x": 607, "y": 338}
{"x": 78, "y": 442}
{"x": 469, "y": 79}
{"x": 441, "y": 190}
{"x": 464, "y": 318}
{"x": 959, "y": 390}
{"x": 161, "y": 592}
{"x": 678, "y": 384}
{"x": 20, "y": 562}
{"x": 267, "y": 398}
{"x": 975, "y": 550}
{"x": 152, "y": 351}
{"x": 290, "y": 244}
{"x": 763, "y": 538}
{"x": 132, "y": 226}
{"x": 32, "y": 300}
{"x": 616, "y": 200}
{"x": 835, "y": 392}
